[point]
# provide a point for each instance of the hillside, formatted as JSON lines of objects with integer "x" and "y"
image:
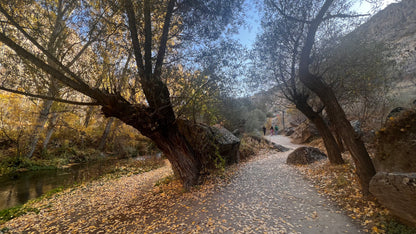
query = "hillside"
{"x": 395, "y": 25}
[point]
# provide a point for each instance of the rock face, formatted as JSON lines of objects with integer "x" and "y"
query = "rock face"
{"x": 305, "y": 155}
{"x": 214, "y": 146}
{"x": 394, "y": 185}
{"x": 395, "y": 25}
{"x": 396, "y": 191}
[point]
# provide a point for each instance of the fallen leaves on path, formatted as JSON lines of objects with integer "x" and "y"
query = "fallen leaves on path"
{"x": 263, "y": 195}
{"x": 340, "y": 184}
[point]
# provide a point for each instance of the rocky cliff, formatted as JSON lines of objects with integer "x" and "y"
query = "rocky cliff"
{"x": 396, "y": 26}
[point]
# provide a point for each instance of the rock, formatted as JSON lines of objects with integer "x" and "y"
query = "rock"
{"x": 227, "y": 144}
{"x": 304, "y": 132}
{"x": 356, "y": 124}
{"x": 289, "y": 131}
{"x": 395, "y": 112}
{"x": 305, "y": 155}
{"x": 280, "y": 148}
{"x": 396, "y": 144}
{"x": 214, "y": 146}
{"x": 397, "y": 192}
{"x": 394, "y": 185}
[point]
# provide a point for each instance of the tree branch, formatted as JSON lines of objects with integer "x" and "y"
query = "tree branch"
{"x": 49, "y": 98}
{"x": 164, "y": 39}
{"x": 147, "y": 40}
{"x": 134, "y": 36}
{"x": 58, "y": 75}
{"x": 44, "y": 51}
{"x": 286, "y": 15}
{"x": 329, "y": 16}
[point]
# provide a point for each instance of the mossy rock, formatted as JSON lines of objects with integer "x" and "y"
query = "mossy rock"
{"x": 396, "y": 144}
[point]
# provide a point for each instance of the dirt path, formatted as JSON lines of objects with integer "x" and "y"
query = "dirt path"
{"x": 265, "y": 195}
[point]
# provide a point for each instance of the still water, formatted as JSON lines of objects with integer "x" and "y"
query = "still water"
{"x": 18, "y": 188}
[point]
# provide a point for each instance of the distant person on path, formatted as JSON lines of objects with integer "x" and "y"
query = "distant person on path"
{"x": 271, "y": 130}
{"x": 264, "y": 130}
{"x": 276, "y": 129}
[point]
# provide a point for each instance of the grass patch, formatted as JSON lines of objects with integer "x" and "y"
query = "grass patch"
{"x": 11, "y": 213}
{"x": 165, "y": 180}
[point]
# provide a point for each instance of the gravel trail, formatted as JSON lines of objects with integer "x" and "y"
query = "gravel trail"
{"x": 264, "y": 196}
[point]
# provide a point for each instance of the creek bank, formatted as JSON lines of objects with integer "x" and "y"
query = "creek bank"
{"x": 18, "y": 188}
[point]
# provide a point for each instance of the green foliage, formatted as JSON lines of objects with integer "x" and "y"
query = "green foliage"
{"x": 165, "y": 180}
{"x": 11, "y": 213}
{"x": 219, "y": 161}
{"x": 10, "y": 164}
{"x": 395, "y": 227}
{"x": 255, "y": 120}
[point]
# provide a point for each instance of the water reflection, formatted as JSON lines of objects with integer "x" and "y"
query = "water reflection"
{"x": 18, "y": 188}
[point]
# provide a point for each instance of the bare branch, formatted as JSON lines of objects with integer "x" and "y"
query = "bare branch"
{"x": 49, "y": 98}
{"x": 329, "y": 16}
{"x": 44, "y": 51}
{"x": 147, "y": 40}
{"x": 58, "y": 75}
{"x": 134, "y": 36}
{"x": 164, "y": 39}
{"x": 288, "y": 16}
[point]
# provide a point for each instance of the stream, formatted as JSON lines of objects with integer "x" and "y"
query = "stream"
{"x": 18, "y": 188}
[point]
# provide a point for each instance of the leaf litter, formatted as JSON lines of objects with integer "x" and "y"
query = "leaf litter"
{"x": 262, "y": 195}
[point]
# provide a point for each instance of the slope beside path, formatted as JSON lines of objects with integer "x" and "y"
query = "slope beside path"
{"x": 264, "y": 195}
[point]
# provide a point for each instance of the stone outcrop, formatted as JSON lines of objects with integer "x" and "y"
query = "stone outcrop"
{"x": 397, "y": 192}
{"x": 305, "y": 155}
{"x": 396, "y": 26}
{"x": 214, "y": 146}
{"x": 394, "y": 185}
{"x": 304, "y": 132}
{"x": 396, "y": 144}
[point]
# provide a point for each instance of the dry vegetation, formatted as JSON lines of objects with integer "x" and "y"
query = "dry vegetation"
{"x": 339, "y": 183}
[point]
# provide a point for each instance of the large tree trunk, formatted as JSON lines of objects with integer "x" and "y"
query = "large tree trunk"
{"x": 161, "y": 127}
{"x": 180, "y": 154}
{"x": 364, "y": 165}
{"x": 334, "y": 154}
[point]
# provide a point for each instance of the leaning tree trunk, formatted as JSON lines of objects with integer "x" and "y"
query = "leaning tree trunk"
{"x": 363, "y": 163}
{"x": 334, "y": 154}
{"x": 161, "y": 127}
{"x": 180, "y": 154}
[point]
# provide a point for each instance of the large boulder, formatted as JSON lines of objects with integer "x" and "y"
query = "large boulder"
{"x": 397, "y": 192}
{"x": 396, "y": 144}
{"x": 214, "y": 146}
{"x": 305, "y": 155}
{"x": 394, "y": 185}
{"x": 304, "y": 132}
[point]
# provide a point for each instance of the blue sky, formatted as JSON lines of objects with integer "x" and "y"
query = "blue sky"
{"x": 247, "y": 34}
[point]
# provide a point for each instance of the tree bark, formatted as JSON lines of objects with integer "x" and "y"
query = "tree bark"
{"x": 105, "y": 134}
{"x": 334, "y": 154}
{"x": 40, "y": 123}
{"x": 162, "y": 129}
{"x": 364, "y": 165}
{"x": 52, "y": 122}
